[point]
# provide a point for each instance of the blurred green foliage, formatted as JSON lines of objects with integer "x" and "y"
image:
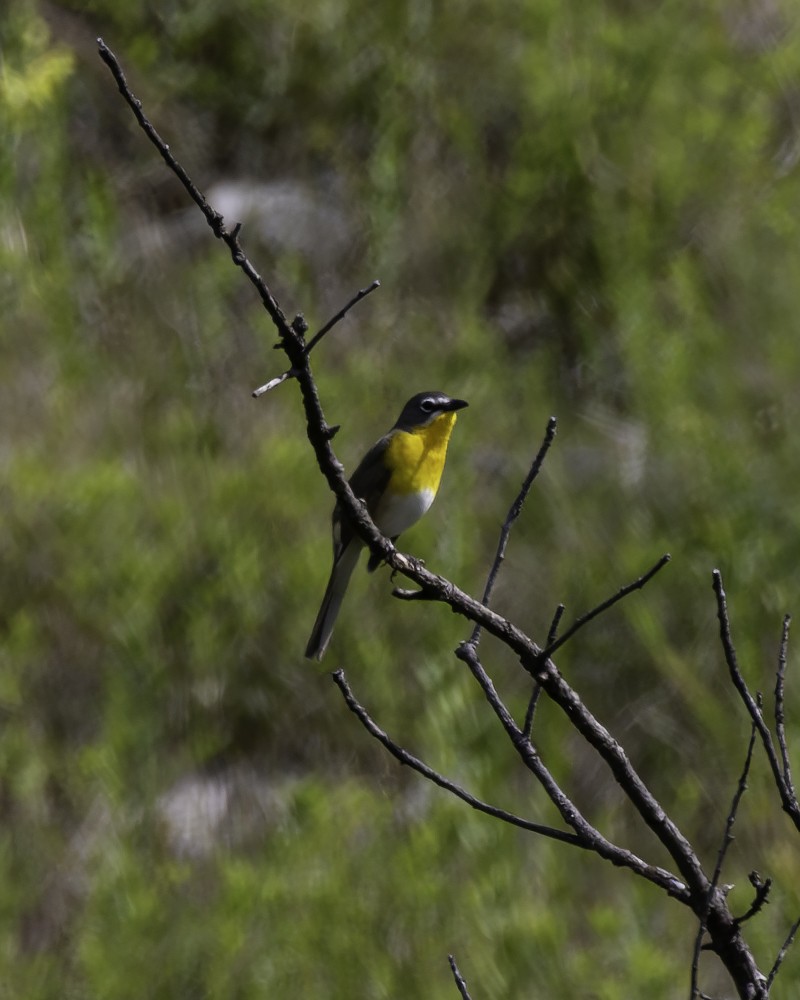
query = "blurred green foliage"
{"x": 587, "y": 209}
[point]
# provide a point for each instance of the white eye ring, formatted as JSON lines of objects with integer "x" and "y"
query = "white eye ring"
{"x": 428, "y": 405}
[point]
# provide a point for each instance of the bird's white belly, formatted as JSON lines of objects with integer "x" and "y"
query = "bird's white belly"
{"x": 399, "y": 513}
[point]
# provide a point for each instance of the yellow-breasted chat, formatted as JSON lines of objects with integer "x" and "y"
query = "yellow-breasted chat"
{"x": 398, "y": 480}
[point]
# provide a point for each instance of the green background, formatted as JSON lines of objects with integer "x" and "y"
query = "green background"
{"x": 587, "y": 209}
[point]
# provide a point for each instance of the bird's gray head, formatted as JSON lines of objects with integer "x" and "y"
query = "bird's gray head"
{"x": 425, "y": 407}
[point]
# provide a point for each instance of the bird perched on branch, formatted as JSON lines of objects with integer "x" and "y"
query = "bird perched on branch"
{"x": 398, "y": 480}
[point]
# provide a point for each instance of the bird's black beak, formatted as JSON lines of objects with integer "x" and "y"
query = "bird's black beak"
{"x": 456, "y": 404}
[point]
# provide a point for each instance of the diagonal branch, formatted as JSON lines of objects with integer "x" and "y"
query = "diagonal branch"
{"x": 618, "y": 856}
{"x": 292, "y": 342}
{"x": 773, "y": 972}
{"x": 404, "y": 757}
{"x": 311, "y": 344}
{"x": 213, "y": 218}
{"x": 727, "y": 840}
{"x": 780, "y": 726}
{"x": 788, "y": 798}
{"x": 605, "y": 605}
{"x": 514, "y": 511}
{"x": 460, "y": 983}
{"x": 585, "y": 836}
{"x": 761, "y": 898}
{"x": 362, "y": 293}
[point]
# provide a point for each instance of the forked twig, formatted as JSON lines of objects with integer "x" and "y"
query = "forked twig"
{"x": 404, "y": 757}
{"x": 761, "y": 898}
{"x": 309, "y": 347}
{"x": 604, "y": 606}
{"x": 590, "y": 837}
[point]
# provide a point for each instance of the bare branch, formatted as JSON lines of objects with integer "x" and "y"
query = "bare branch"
{"x": 274, "y": 383}
{"x": 605, "y": 605}
{"x": 404, "y": 757}
{"x": 760, "y": 899}
{"x": 213, "y": 218}
{"x": 527, "y": 726}
{"x": 727, "y": 840}
{"x": 788, "y": 798}
{"x": 780, "y": 727}
{"x": 514, "y": 511}
{"x": 560, "y": 692}
{"x": 537, "y": 687}
{"x": 309, "y": 347}
{"x": 693, "y": 887}
{"x": 462, "y": 986}
{"x": 361, "y": 294}
{"x": 590, "y": 837}
{"x": 782, "y": 953}
{"x": 553, "y": 630}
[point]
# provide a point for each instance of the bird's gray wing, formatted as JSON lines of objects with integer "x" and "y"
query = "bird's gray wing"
{"x": 368, "y": 482}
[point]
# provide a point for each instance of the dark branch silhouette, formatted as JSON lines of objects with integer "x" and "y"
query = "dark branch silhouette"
{"x": 309, "y": 347}
{"x": 773, "y": 972}
{"x": 691, "y": 886}
{"x": 569, "y": 811}
{"x": 514, "y": 511}
{"x": 786, "y": 792}
{"x": 762, "y": 887}
{"x": 537, "y": 687}
{"x": 727, "y": 840}
{"x": 578, "y": 624}
{"x": 780, "y": 722}
{"x": 404, "y": 757}
{"x": 213, "y": 218}
{"x": 361, "y": 294}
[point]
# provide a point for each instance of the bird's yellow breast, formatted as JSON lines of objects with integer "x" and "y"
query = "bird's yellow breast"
{"x": 416, "y": 458}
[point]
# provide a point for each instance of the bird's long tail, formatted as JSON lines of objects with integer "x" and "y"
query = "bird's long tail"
{"x": 332, "y": 601}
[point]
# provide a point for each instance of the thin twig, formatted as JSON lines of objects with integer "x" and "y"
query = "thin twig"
{"x": 292, "y": 342}
{"x": 760, "y": 899}
{"x": 462, "y": 986}
{"x": 513, "y": 513}
{"x": 788, "y": 798}
{"x": 527, "y": 726}
{"x": 727, "y": 840}
{"x": 585, "y": 836}
{"x": 438, "y": 779}
{"x": 604, "y": 606}
{"x": 773, "y": 972}
{"x": 537, "y": 687}
{"x": 274, "y": 382}
{"x": 213, "y": 218}
{"x": 552, "y": 632}
{"x": 570, "y": 813}
{"x": 292, "y": 372}
{"x": 780, "y": 726}
{"x": 360, "y": 294}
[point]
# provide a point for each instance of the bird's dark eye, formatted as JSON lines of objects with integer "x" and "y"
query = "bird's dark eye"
{"x": 428, "y": 405}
